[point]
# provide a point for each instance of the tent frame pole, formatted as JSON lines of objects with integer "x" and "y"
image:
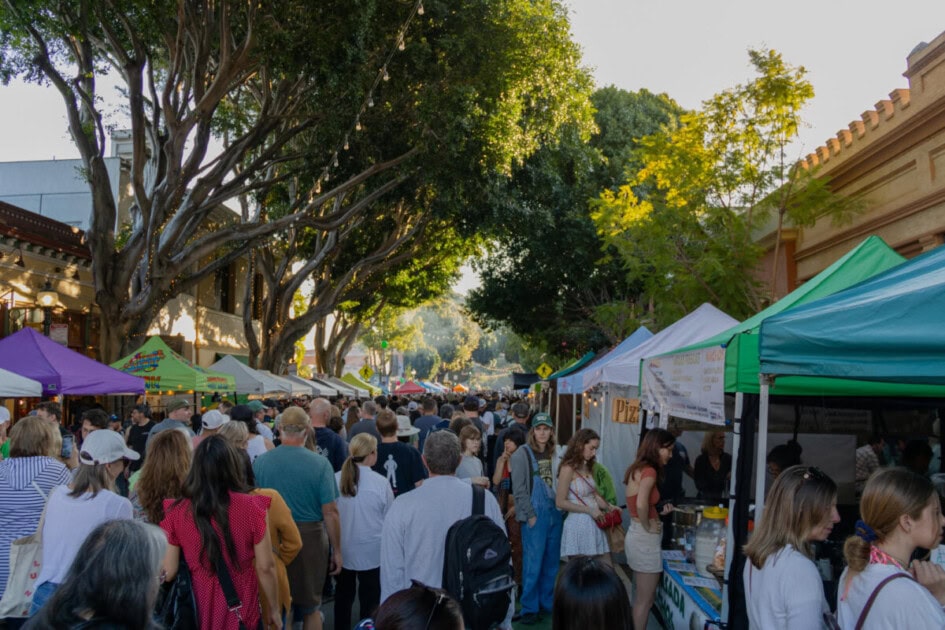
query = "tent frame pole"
{"x": 732, "y": 498}
{"x": 762, "y": 450}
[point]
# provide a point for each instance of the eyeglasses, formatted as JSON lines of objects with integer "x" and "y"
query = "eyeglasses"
{"x": 438, "y": 593}
{"x": 814, "y": 473}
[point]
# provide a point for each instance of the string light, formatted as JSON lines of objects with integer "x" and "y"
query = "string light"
{"x": 357, "y": 126}
{"x": 420, "y": 9}
{"x": 401, "y": 45}
{"x": 346, "y": 143}
{"x": 386, "y": 76}
{"x": 370, "y": 102}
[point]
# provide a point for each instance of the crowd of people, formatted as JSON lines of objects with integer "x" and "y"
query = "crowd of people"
{"x": 262, "y": 509}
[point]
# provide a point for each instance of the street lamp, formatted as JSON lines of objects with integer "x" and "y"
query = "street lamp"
{"x": 46, "y": 298}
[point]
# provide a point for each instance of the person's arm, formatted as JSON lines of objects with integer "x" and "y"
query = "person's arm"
{"x": 701, "y": 474}
{"x": 393, "y": 557}
{"x": 499, "y": 468}
{"x": 287, "y": 540}
{"x": 645, "y": 487}
{"x": 266, "y": 574}
{"x": 171, "y": 562}
{"x": 268, "y": 443}
{"x": 521, "y": 475}
{"x": 333, "y": 525}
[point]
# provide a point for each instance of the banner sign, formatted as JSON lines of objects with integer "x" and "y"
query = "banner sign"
{"x": 625, "y": 410}
{"x": 688, "y": 385}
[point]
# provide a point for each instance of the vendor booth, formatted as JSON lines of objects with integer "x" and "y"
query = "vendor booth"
{"x": 357, "y": 383}
{"x": 692, "y": 382}
{"x": 409, "y": 388}
{"x": 329, "y": 389}
{"x": 166, "y": 372}
{"x": 247, "y": 380}
{"x": 289, "y": 388}
{"x": 345, "y": 389}
{"x": 61, "y": 371}
{"x": 16, "y": 386}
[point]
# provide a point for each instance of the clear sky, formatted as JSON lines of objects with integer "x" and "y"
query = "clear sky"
{"x": 855, "y": 53}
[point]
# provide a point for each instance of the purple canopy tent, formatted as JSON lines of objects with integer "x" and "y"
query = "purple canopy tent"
{"x": 61, "y": 370}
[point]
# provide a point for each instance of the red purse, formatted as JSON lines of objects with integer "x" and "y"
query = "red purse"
{"x": 611, "y": 519}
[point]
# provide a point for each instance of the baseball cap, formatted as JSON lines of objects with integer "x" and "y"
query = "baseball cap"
{"x": 482, "y": 403}
{"x": 412, "y": 405}
{"x": 213, "y": 419}
{"x": 542, "y": 418}
{"x": 105, "y": 447}
{"x": 178, "y": 403}
{"x": 4, "y": 415}
{"x": 470, "y": 399}
{"x": 256, "y": 405}
{"x": 270, "y": 403}
{"x": 404, "y": 428}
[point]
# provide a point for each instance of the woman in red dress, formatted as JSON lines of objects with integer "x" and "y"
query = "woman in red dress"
{"x": 216, "y": 520}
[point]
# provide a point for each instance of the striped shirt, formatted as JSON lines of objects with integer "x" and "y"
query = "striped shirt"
{"x": 20, "y": 504}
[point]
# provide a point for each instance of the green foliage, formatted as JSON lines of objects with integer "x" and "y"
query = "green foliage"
{"x": 683, "y": 224}
{"x": 546, "y": 274}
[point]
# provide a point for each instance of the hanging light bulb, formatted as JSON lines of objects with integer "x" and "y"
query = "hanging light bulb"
{"x": 346, "y": 143}
{"x": 357, "y": 126}
{"x": 420, "y": 9}
{"x": 386, "y": 76}
{"x": 401, "y": 45}
{"x": 370, "y": 101}
{"x": 334, "y": 161}
{"x": 318, "y": 187}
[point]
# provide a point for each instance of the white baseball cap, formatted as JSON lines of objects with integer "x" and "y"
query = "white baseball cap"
{"x": 4, "y": 415}
{"x": 105, "y": 447}
{"x": 213, "y": 419}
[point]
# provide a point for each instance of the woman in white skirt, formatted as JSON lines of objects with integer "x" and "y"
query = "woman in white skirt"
{"x": 577, "y": 495}
{"x": 645, "y": 535}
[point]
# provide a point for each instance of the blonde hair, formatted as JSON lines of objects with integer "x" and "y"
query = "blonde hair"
{"x": 889, "y": 494}
{"x": 362, "y": 445}
{"x": 235, "y": 433}
{"x": 801, "y": 498}
{"x": 33, "y": 436}
{"x": 707, "y": 445}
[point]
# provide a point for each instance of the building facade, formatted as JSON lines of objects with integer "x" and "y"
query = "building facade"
{"x": 891, "y": 159}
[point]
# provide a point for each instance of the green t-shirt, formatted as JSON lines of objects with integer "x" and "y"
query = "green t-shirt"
{"x": 5, "y": 450}
{"x": 305, "y": 480}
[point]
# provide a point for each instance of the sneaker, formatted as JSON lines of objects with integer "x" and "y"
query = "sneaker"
{"x": 529, "y": 619}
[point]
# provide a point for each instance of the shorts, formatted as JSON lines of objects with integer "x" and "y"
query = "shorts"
{"x": 643, "y": 548}
{"x": 307, "y": 572}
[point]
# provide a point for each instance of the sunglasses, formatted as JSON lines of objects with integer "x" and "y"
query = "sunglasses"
{"x": 438, "y": 593}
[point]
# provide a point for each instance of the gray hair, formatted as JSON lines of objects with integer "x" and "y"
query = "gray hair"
{"x": 442, "y": 452}
{"x": 369, "y": 408}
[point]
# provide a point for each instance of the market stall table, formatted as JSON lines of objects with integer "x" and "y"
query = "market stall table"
{"x": 686, "y": 599}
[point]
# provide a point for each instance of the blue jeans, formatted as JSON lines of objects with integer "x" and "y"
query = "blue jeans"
{"x": 43, "y": 592}
{"x": 541, "y": 553}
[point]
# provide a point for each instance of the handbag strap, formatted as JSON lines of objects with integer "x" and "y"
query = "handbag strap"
{"x": 42, "y": 517}
{"x": 869, "y": 602}
{"x": 233, "y": 602}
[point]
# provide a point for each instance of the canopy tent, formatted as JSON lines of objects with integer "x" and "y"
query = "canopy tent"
{"x": 620, "y": 378}
{"x": 328, "y": 389}
{"x": 572, "y": 367}
{"x": 698, "y": 325}
{"x": 348, "y": 390}
{"x": 691, "y": 382}
{"x": 409, "y": 388}
{"x": 357, "y": 383}
{"x": 886, "y": 330}
{"x": 460, "y": 388}
{"x": 247, "y": 380}
{"x": 436, "y": 388}
{"x": 60, "y": 370}
{"x": 13, "y": 385}
{"x": 287, "y": 387}
{"x": 574, "y": 383}
{"x": 164, "y": 370}
{"x": 308, "y": 387}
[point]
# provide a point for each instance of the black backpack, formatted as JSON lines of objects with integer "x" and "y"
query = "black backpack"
{"x": 477, "y": 569}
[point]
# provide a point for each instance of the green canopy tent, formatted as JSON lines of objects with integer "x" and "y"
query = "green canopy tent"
{"x": 691, "y": 382}
{"x": 166, "y": 372}
{"x": 351, "y": 379}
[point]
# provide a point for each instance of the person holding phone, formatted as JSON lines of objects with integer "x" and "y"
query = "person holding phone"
{"x": 51, "y": 412}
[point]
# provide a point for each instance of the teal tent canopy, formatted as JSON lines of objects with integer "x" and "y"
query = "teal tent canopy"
{"x": 888, "y": 329}
{"x": 572, "y": 367}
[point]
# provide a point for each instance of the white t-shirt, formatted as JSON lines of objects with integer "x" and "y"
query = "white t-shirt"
{"x": 488, "y": 423}
{"x": 786, "y": 594}
{"x": 69, "y": 521}
{"x": 362, "y": 519}
{"x": 903, "y": 603}
{"x": 256, "y": 446}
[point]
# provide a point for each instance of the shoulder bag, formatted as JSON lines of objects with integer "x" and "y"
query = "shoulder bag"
{"x": 233, "y": 602}
{"x": 26, "y": 559}
{"x": 869, "y": 602}
{"x": 176, "y": 607}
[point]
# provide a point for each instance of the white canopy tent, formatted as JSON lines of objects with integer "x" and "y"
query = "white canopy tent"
{"x": 311, "y": 387}
{"x": 347, "y": 389}
{"x": 327, "y": 389}
{"x": 13, "y": 385}
{"x": 620, "y": 379}
{"x": 248, "y": 380}
{"x": 288, "y": 387}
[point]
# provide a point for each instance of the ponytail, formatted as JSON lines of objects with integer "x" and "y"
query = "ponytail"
{"x": 361, "y": 447}
{"x": 349, "y": 478}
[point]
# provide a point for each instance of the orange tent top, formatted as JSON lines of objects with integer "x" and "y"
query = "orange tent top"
{"x": 460, "y": 388}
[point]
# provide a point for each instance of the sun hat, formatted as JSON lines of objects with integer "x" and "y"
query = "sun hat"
{"x": 105, "y": 447}
{"x": 404, "y": 428}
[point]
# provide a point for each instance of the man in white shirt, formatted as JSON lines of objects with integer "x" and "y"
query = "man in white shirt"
{"x": 413, "y": 543}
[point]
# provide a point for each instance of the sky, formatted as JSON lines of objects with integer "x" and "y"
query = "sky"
{"x": 855, "y": 54}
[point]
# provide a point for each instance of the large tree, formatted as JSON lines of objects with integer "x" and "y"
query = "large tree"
{"x": 285, "y": 87}
{"x": 548, "y": 275}
{"x": 684, "y": 223}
